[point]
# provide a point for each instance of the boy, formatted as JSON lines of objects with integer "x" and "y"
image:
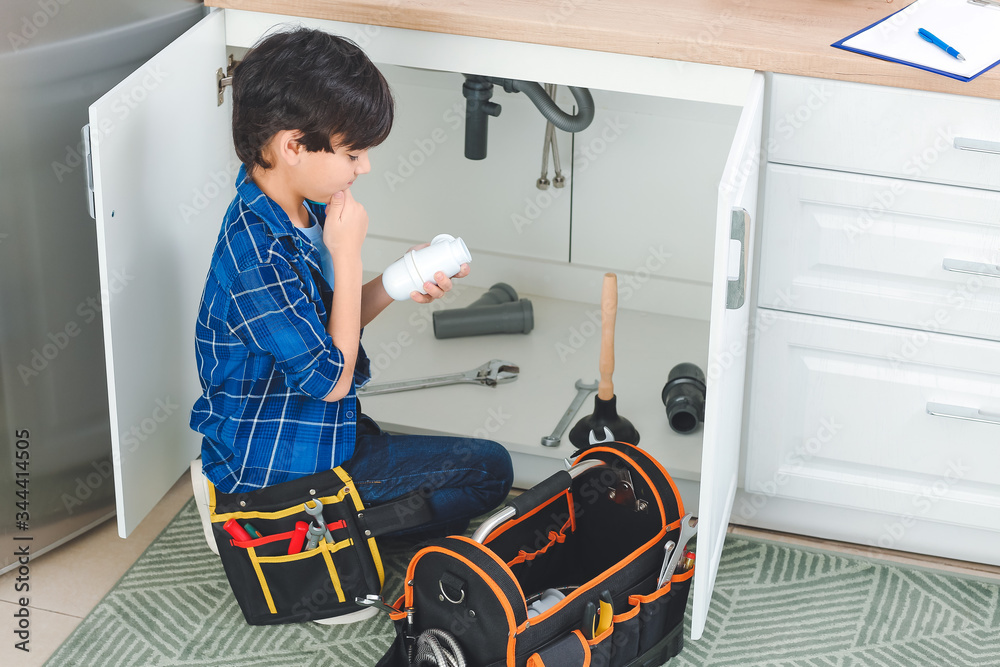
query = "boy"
{"x": 279, "y": 328}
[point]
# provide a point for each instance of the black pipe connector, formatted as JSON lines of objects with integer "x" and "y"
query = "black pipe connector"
{"x": 477, "y": 91}
{"x": 684, "y": 397}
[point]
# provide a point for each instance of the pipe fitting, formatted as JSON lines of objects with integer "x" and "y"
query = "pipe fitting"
{"x": 684, "y": 397}
{"x": 497, "y": 311}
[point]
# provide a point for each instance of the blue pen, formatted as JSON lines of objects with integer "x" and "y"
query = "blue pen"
{"x": 938, "y": 43}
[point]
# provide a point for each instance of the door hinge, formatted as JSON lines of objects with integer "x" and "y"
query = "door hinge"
{"x": 224, "y": 79}
{"x": 89, "y": 170}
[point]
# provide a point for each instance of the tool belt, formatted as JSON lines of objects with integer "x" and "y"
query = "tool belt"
{"x": 275, "y": 576}
{"x": 572, "y": 573}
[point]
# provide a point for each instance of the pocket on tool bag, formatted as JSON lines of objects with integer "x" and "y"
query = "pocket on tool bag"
{"x": 570, "y": 651}
{"x": 651, "y": 617}
{"x": 305, "y": 582}
{"x": 272, "y": 586}
{"x": 602, "y": 648}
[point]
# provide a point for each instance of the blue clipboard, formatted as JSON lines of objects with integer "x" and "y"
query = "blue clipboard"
{"x": 840, "y": 45}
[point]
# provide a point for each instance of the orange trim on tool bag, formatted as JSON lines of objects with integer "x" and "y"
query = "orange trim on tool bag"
{"x": 492, "y": 554}
{"x": 535, "y": 661}
{"x": 659, "y": 500}
{"x": 510, "y": 524}
{"x": 399, "y": 614}
{"x": 597, "y": 581}
{"x": 655, "y": 595}
{"x": 504, "y": 602}
{"x": 603, "y": 636}
{"x": 670, "y": 480}
{"x": 553, "y": 536}
{"x": 586, "y": 648}
{"x": 683, "y": 576}
{"x": 624, "y": 616}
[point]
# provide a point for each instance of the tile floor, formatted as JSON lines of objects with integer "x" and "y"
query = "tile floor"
{"x": 63, "y": 596}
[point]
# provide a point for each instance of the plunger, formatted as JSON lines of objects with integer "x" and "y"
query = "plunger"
{"x": 605, "y": 424}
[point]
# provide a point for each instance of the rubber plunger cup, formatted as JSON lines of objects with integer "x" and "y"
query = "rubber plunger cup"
{"x": 605, "y": 419}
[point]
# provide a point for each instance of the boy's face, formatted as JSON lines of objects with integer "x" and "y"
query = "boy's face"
{"x": 321, "y": 174}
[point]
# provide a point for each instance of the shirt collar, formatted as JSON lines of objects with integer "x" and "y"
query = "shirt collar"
{"x": 266, "y": 208}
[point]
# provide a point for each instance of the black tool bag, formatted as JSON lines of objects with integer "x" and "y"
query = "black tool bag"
{"x": 598, "y": 530}
{"x": 273, "y": 586}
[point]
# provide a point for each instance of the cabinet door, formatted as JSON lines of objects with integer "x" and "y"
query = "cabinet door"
{"x": 163, "y": 174}
{"x": 727, "y": 342}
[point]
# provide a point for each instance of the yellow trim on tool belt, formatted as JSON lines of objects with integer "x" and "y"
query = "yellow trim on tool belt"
{"x": 323, "y": 546}
{"x": 333, "y": 575}
{"x": 359, "y": 507}
{"x": 323, "y": 550}
{"x": 263, "y": 582}
{"x": 288, "y": 511}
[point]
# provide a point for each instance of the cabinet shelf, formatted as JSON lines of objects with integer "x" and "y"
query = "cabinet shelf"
{"x": 562, "y": 348}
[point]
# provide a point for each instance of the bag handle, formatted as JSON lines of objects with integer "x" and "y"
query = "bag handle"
{"x": 534, "y": 497}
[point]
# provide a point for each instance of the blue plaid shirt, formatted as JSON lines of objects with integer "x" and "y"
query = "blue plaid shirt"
{"x": 264, "y": 355}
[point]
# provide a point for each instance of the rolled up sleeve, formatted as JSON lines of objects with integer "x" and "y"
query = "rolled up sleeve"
{"x": 271, "y": 313}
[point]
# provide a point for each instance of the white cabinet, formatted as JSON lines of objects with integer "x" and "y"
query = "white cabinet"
{"x": 162, "y": 178}
{"x": 877, "y": 418}
{"x": 875, "y": 213}
{"x": 891, "y": 251}
{"x": 645, "y": 176}
{"x": 893, "y": 132}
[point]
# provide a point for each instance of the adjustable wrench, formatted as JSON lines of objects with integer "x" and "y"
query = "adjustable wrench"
{"x": 689, "y": 528}
{"x": 316, "y": 512}
{"x": 583, "y": 390}
{"x": 489, "y": 374}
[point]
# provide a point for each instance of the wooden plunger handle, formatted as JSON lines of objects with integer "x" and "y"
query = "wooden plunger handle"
{"x": 609, "y": 309}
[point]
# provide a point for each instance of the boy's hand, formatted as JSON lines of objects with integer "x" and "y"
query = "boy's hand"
{"x": 346, "y": 224}
{"x": 443, "y": 285}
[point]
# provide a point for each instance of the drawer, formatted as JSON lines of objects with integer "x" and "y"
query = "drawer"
{"x": 884, "y": 131}
{"x": 839, "y": 415}
{"x": 879, "y": 250}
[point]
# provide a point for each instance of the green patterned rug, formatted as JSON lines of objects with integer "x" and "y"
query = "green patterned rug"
{"x": 774, "y": 605}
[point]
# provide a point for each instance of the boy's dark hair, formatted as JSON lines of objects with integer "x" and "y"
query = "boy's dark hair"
{"x": 311, "y": 81}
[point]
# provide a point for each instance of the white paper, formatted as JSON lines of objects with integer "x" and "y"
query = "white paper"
{"x": 973, "y": 30}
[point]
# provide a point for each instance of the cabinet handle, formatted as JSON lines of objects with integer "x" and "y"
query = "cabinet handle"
{"x": 977, "y": 145}
{"x": 958, "y": 412}
{"x": 736, "y": 288}
{"x": 975, "y": 268}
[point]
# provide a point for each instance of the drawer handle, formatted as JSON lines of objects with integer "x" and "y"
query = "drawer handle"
{"x": 977, "y": 145}
{"x": 958, "y": 412}
{"x": 975, "y": 268}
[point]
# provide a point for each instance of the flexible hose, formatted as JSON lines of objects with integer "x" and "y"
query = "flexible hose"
{"x": 431, "y": 652}
{"x": 547, "y": 106}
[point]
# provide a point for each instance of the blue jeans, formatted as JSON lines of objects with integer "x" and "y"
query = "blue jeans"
{"x": 461, "y": 477}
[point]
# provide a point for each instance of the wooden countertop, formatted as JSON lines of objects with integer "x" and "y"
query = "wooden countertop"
{"x": 786, "y": 36}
